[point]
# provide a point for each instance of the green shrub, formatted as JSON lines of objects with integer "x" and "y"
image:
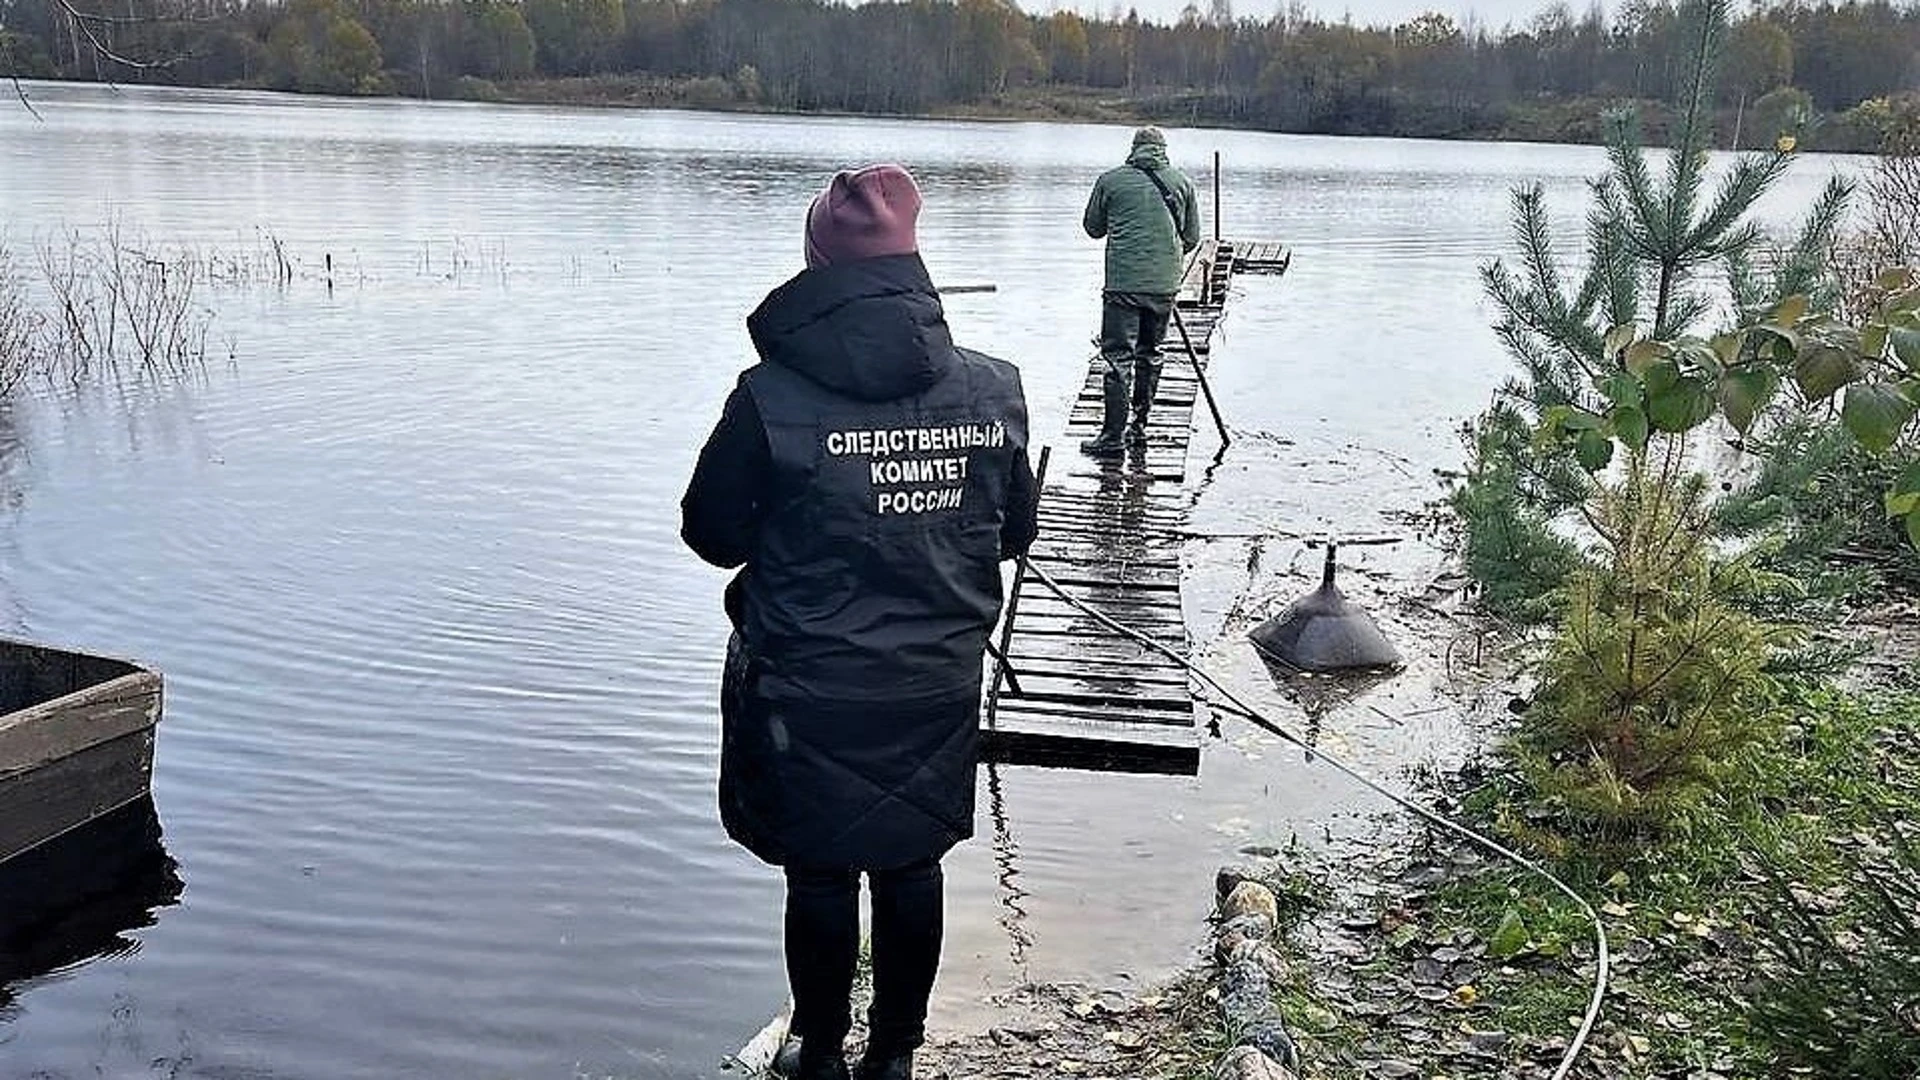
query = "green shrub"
{"x": 1657, "y": 674}
{"x": 1509, "y": 502}
{"x": 470, "y": 88}
{"x": 1837, "y": 989}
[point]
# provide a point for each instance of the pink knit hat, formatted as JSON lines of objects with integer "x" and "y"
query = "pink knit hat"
{"x": 863, "y": 214}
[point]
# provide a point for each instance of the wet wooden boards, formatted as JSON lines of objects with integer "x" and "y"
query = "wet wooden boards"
{"x": 1081, "y": 694}
{"x": 76, "y": 740}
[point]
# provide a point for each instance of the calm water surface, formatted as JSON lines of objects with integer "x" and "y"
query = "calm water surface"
{"x": 438, "y": 757}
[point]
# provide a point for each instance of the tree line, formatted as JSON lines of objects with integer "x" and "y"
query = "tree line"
{"x": 1839, "y": 73}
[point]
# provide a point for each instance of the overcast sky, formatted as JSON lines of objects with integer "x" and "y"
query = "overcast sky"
{"x": 1493, "y": 14}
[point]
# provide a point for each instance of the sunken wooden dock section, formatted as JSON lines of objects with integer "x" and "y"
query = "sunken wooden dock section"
{"x": 1081, "y": 694}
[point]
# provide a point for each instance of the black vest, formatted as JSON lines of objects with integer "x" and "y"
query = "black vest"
{"x": 876, "y": 577}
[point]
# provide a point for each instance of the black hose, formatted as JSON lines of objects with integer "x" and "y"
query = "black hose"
{"x": 1241, "y": 708}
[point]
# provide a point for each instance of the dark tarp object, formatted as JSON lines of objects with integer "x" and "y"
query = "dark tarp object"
{"x": 1322, "y": 631}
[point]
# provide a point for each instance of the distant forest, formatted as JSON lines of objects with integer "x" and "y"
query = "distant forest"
{"x": 1841, "y": 75}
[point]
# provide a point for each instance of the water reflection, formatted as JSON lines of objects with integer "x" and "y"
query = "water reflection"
{"x": 1006, "y": 865}
{"x": 1319, "y": 694}
{"x": 1119, "y": 509}
{"x": 79, "y": 897}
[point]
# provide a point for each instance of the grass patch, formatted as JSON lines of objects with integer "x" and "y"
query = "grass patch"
{"x": 1746, "y": 942}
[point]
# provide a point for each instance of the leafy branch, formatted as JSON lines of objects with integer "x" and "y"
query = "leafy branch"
{"x": 1674, "y": 386}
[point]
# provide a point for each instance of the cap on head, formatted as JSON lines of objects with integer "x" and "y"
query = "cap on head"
{"x": 863, "y": 214}
{"x": 1148, "y": 135}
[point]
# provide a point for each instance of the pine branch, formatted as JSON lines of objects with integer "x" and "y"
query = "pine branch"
{"x": 1534, "y": 237}
{"x": 1689, "y": 153}
{"x": 1743, "y": 281}
{"x": 1612, "y": 262}
{"x": 1630, "y": 180}
{"x": 1686, "y": 309}
{"x": 1542, "y": 320}
{"x": 1741, "y": 239}
{"x": 1748, "y": 180}
{"x": 1806, "y": 259}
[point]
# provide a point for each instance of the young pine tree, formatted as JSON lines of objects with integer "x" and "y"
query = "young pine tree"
{"x": 1659, "y": 663}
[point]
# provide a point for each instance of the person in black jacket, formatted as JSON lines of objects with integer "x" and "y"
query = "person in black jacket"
{"x": 867, "y": 477}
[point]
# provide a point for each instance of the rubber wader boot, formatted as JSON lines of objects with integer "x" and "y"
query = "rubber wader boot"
{"x": 898, "y": 1067}
{"x": 795, "y": 1062}
{"x": 1109, "y": 442}
{"x": 1146, "y": 382}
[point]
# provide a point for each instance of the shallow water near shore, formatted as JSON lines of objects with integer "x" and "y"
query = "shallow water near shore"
{"x": 437, "y": 763}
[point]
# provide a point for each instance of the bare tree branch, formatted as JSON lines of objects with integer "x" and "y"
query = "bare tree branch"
{"x": 136, "y": 20}
{"x": 21, "y": 89}
{"x": 87, "y": 24}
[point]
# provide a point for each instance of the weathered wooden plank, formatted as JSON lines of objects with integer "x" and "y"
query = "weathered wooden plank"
{"x": 1088, "y": 633}
{"x": 1090, "y": 587}
{"x": 1045, "y": 692}
{"x": 1157, "y": 682}
{"x": 1091, "y": 556}
{"x": 31, "y": 674}
{"x": 33, "y": 736}
{"x": 1102, "y": 546}
{"x": 1095, "y": 648}
{"x": 40, "y": 804}
{"x": 1132, "y": 722}
{"x": 1078, "y": 495}
{"x": 1099, "y": 673}
{"x": 1093, "y": 540}
{"x": 1099, "y": 592}
{"x": 1157, "y": 627}
{"x": 1128, "y": 610}
{"x": 1150, "y": 618}
{"x": 1099, "y": 572}
{"x": 1091, "y": 747}
{"x": 1108, "y": 571}
{"x": 1115, "y": 549}
{"x": 1113, "y": 525}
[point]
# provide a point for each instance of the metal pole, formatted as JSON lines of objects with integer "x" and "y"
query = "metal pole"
{"x": 1001, "y": 667}
{"x": 1013, "y": 681}
{"x": 1216, "y": 196}
{"x": 1200, "y": 372}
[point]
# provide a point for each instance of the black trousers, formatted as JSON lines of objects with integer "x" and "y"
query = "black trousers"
{"x": 1132, "y": 326}
{"x": 823, "y": 947}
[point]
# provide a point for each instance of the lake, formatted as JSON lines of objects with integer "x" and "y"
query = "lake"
{"x": 440, "y": 738}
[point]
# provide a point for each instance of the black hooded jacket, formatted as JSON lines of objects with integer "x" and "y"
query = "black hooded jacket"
{"x": 867, "y": 476}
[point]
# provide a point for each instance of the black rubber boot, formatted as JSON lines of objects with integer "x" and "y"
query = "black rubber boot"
{"x": 795, "y": 1062}
{"x": 828, "y": 1067}
{"x": 1146, "y": 383}
{"x": 897, "y": 1067}
{"x": 1110, "y": 442}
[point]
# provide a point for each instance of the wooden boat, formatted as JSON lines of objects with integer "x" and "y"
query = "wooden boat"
{"x": 76, "y": 740}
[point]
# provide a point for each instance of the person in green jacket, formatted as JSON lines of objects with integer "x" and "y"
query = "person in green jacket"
{"x": 1147, "y": 212}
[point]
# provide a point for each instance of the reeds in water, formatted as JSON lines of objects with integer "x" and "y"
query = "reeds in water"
{"x": 101, "y": 305}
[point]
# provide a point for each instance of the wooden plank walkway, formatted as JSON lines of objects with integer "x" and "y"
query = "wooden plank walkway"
{"x": 1080, "y": 694}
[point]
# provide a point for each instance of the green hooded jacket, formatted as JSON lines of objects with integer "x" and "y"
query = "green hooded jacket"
{"x": 1143, "y": 248}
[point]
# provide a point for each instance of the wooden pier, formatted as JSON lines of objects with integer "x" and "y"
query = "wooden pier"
{"x": 1080, "y": 694}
